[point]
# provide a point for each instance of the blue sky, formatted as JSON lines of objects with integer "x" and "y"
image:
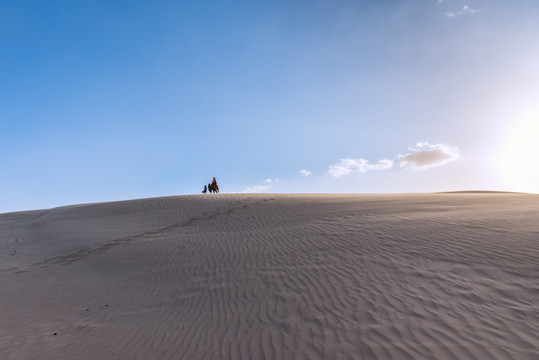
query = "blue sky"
{"x": 103, "y": 101}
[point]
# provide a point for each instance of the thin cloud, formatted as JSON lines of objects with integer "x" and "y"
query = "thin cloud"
{"x": 425, "y": 155}
{"x": 465, "y": 10}
{"x": 268, "y": 185}
{"x": 305, "y": 172}
{"x": 351, "y": 166}
{"x": 257, "y": 189}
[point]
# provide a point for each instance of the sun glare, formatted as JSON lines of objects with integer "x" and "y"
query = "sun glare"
{"x": 520, "y": 155}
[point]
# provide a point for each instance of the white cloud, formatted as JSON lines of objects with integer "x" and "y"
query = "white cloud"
{"x": 351, "y": 166}
{"x": 256, "y": 189}
{"x": 268, "y": 181}
{"x": 420, "y": 157}
{"x": 426, "y": 155}
{"x": 305, "y": 172}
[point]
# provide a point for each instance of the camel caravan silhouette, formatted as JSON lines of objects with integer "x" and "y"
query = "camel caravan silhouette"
{"x": 213, "y": 187}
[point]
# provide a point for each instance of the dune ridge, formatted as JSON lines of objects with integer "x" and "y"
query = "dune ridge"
{"x": 408, "y": 276}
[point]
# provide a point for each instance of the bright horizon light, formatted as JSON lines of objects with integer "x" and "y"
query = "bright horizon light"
{"x": 518, "y": 159}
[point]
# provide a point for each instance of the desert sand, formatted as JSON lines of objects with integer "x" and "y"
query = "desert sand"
{"x": 411, "y": 276}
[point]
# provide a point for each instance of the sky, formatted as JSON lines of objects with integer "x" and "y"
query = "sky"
{"x": 104, "y": 101}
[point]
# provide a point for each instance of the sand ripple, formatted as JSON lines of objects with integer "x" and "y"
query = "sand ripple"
{"x": 440, "y": 276}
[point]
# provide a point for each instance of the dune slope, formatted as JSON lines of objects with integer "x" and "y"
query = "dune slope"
{"x": 418, "y": 276}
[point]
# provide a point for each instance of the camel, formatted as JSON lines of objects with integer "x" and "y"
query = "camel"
{"x": 213, "y": 188}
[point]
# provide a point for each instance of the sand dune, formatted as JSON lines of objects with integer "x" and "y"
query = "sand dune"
{"x": 419, "y": 276}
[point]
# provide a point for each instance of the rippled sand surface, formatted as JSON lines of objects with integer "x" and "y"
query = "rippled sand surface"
{"x": 415, "y": 276}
